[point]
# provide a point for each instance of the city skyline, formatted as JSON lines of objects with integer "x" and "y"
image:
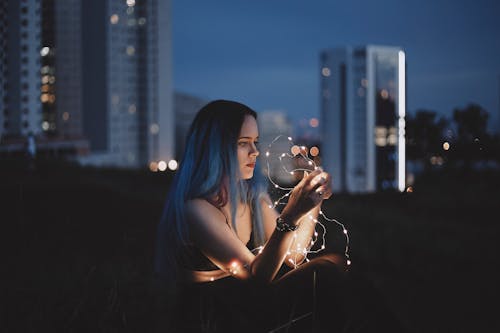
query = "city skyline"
{"x": 267, "y": 54}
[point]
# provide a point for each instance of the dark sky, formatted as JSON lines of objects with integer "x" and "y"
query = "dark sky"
{"x": 265, "y": 53}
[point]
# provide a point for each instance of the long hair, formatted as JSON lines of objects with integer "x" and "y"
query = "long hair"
{"x": 210, "y": 155}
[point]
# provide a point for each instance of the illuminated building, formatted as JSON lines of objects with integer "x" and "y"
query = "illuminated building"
{"x": 128, "y": 112}
{"x": 363, "y": 117}
{"x": 40, "y": 78}
{"x": 20, "y": 104}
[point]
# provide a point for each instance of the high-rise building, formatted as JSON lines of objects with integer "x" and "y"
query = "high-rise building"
{"x": 363, "y": 117}
{"x": 128, "y": 111}
{"x": 40, "y": 106}
{"x": 20, "y": 105}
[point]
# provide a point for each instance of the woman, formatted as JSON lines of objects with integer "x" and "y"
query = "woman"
{"x": 216, "y": 213}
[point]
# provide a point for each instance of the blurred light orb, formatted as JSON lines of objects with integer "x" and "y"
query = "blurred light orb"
{"x": 384, "y": 94}
{"x": 130, "y": 50}
{"x": 172, "y": 165}
{"x": 153, "y": 166}
{"x": 162, "y": 166}
{"x": 314, "y": 122}
{"x": 154, "y": 128}
{"x": 446, "y": 145}
{"x": 295, "y": 150}
{"x": 114, "y": 19}
{"x": 325, "y": 71}
{"x": 44, "y": 51}
{"x": 314, "y": 151}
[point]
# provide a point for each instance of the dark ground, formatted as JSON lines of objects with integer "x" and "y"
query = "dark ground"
{"x": 78, "y": 247}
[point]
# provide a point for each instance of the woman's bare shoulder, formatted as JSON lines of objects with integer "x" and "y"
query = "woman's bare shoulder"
{"x": 201, "y": 210}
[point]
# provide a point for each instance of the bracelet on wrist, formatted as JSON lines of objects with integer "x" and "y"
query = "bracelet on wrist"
{"x": 283, "y": 226}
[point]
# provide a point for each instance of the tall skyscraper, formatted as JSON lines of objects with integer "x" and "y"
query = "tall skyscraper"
{"x": 363, "y": 117}
{"x": 127, "y": 82}
{"x": 20, "y": 105}
{"x": 40, "y": 88}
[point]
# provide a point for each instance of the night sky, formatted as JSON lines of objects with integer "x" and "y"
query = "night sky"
{"x": 266, "y": 53}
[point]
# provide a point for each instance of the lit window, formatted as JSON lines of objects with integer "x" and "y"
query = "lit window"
{"x": 154, "y": 128}
{"x": 114, "y": 19}
{"x": 384, "y": 94}
{"x": 313, "y": 122}
{"x": 44, "y": 51}
{"x": 130, "y": 50}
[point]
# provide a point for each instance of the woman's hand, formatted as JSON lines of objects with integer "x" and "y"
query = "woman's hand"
{"x": 307, "y": 194}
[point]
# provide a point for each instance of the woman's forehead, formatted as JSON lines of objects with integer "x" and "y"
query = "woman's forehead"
{"x": 249, "y": 127}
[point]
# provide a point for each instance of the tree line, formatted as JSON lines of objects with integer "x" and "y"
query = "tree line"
{"x": 462, "y": 141}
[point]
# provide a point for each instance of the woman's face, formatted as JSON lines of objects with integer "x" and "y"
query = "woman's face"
{"x": 247, "y": 150}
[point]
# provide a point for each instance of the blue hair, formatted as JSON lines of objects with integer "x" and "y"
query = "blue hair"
{"x": 210, "y": 155}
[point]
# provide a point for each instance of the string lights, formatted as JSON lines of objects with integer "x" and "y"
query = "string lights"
{"x": 299, "y": 253}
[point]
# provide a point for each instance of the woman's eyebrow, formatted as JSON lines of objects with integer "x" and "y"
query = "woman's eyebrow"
{"x": 248, "y": 137}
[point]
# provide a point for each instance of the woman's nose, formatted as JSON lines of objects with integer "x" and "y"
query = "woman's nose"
{"x": 254, "y": 151}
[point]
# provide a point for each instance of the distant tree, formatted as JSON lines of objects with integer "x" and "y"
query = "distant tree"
{"x": 471, "y": 122}
{"x": 473, "y": 141}
{"x": 424, "y": 135}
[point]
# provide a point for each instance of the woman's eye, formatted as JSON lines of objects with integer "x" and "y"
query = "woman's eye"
{"x": 242, "y": 143}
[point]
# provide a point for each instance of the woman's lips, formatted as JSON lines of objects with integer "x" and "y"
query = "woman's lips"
{"x": 251, "y": 165}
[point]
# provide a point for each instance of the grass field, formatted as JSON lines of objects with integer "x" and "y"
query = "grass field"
{"x": 79, "y": 244}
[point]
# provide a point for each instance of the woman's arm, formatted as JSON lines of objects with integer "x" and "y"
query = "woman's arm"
{"x": 304, "y": 199}
{"x": 215, "y": 239}
{"x": 218, "y": 242}
{"x": 306, "y": 226}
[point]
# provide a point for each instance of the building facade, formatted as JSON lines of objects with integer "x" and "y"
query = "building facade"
{"x": 128, "y": 99}
{"x": 363, "y": 117}
{"x": 20, "y": 104}
{"x": 41, "y": 82}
